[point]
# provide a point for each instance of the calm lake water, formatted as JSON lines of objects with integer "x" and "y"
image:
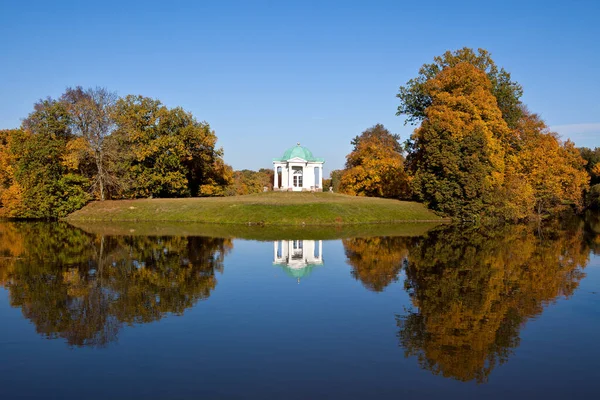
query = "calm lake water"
{"x": 456, "y": 312}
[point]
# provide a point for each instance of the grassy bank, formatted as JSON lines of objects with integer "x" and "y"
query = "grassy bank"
{"x": 272, "y": 208}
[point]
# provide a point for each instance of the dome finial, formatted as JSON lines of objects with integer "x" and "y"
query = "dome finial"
{"x": 298, "y": 143}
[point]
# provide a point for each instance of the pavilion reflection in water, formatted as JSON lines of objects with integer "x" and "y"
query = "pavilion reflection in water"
{"x": 298, "y": 257}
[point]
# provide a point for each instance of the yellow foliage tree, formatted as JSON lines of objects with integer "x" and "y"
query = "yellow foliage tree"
{"x": 457, "y": 155}
{"x": 551, "y": 172}
{"x": 376, "y": 166}
{"x": 247, "y": 181}
{"x": 7, "y": 194}
{"x": 465, "y": 160}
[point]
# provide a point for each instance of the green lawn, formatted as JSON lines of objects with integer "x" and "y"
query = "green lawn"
{"x": 271, "y": 208}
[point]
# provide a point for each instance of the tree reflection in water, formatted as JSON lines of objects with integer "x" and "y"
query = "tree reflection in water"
{"x": 376, "y": 261}
{"x": 83, "y": 287}
{"x": 473, "y": 290}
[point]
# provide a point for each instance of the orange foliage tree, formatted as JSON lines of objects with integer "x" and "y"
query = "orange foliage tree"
{"x": 478, "y": 152}
{"x": 6, "y": 169}
{"x": 554, "y": 170}
{"x": 376, "y": 166}
{"x": 457, "y": 157}
{"x": 415, "y": 97}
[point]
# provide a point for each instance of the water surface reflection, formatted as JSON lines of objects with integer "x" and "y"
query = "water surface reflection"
{"x": 473, "y": 290}
{"x": 83, "y": 287}
{"x": 454, "y": 301}
{"x": 377, "y": 261}
{"x": 298, "y": 257}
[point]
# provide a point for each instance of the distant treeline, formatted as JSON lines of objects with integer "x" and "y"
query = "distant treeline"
{"x": 247, "y": 182}
{"x": 477, "y": 151}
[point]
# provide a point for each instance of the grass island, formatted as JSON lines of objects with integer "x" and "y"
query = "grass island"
{"x": 269, "y": 208}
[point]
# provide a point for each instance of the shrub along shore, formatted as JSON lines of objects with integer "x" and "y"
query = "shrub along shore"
{"x": 271, "y": 208}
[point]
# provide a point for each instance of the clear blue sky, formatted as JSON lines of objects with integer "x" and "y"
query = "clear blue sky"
{"x": 267, "y": 74}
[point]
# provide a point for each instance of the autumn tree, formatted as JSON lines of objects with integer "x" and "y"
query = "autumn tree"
{"x": 552, "y": 170}
{"x": 247, "y": 181}
{"x": 5, "y": 162}
{"x": 42, "y": 184}
{"x": 457, "y": 155}
{"x": 93, "y": 153}
{"x": 90, "y": 145}
{"x": 7, "y": 188}
{"x": 170, "y": 154}
{"x": 415, "y": 97}
{"x": 479, "y": 151}
{"x": 375, "y": 167}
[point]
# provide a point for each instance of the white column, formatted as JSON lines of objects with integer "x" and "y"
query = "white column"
{"x": 275, "y": 178}
{"x": 284, "y": 177}
{"x": 275, "y": 251}
{"x": 309, "y": 248}
{"x": 320, "y": 250}
{"x": 321, "y": 176}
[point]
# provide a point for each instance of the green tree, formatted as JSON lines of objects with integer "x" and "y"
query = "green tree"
{"x": 170, "y": 154}
{"x": 415, "y": 97}
{"x": 43, "y": 186}
{"x": 336, "y": 179}
{"x": 592, "y": 157}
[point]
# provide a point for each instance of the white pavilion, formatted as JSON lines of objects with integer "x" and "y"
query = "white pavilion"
{"x": 298, "y": 170}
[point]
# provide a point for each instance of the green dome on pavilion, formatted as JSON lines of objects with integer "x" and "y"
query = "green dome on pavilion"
{"x": 298, "y": 273}
{"x": 300, "y": 152}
